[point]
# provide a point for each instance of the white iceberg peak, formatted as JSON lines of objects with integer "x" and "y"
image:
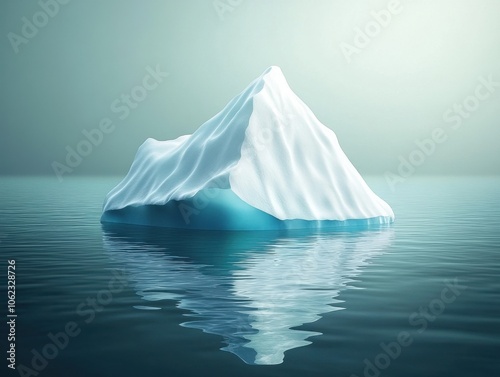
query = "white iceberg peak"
{"x": 267, "y": 156}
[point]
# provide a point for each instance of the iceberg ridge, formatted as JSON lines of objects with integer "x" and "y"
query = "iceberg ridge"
{"x": 263, "y": 162}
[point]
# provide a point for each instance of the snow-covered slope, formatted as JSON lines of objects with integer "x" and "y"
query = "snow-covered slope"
{"x": 263, "y": 159}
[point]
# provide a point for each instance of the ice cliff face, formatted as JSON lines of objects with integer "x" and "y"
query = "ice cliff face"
{"x": 264, "y": 161}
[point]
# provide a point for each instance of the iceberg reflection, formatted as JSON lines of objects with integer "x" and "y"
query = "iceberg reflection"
{"x": 251, "y": 288}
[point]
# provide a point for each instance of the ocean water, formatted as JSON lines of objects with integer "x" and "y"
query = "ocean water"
{"x": 418, "y": 298}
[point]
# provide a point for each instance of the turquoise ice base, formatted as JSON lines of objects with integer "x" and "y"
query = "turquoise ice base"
{"x": 221, "y": 209}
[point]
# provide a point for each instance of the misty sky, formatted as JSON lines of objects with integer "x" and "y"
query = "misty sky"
{"x": 379, "y": 93}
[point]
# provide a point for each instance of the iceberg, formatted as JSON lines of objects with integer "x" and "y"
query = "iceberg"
{"x": 264, "y": 162}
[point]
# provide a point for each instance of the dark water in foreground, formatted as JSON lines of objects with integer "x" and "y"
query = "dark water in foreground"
{"x": 420, "y": 298}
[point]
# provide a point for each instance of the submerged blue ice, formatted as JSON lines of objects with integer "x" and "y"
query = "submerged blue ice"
{"x": 263, "y": 162}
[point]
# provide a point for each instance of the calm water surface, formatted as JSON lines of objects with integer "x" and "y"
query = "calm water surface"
{"x": 419, "y": 298}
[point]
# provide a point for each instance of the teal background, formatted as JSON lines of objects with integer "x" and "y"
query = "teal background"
{"x": 393, "y": 92}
